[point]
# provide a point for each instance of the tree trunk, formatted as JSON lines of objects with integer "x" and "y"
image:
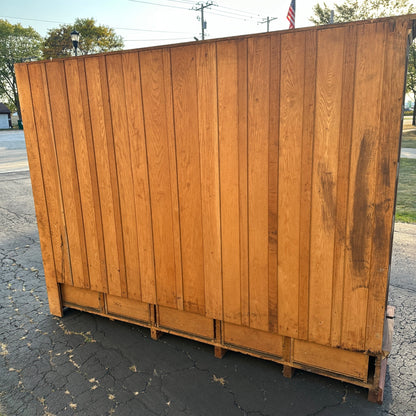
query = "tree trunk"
{"x": 19, "y": 113}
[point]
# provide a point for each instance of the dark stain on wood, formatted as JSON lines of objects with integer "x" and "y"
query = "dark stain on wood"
{"x": 358, "y": 238}
{"x": 385, "y": 171}
{"x": 381, "y": 226}
{"x": 328, "y": 194}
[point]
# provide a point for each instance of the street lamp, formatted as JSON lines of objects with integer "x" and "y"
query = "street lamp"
{"x": 75, "y": 40}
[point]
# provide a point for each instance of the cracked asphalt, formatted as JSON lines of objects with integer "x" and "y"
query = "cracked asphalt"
{"x": 83, "y": 364}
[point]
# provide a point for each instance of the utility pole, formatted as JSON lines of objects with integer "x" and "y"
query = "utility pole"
{"x": 201, "y": 8}
{"x": 268, "y": 20}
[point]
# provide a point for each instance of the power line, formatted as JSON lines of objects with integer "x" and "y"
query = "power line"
{"x": 36, "y": 20}
{"x": 225, "y": 12}
{"x": 235, "y": 12}
{"x": 182, "y": 1}
{"x": 158, "y": 4}
{"x": 118, "y": 28}
{"x": 231, "y": 17}
{"x": 149, "y": 30}
{"x": 240, "y": 11}
{"x": 148, "y": 40}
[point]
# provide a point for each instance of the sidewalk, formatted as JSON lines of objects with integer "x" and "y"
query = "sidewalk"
{"x": 87, "y": 365}
{"x": 408, "y": 153}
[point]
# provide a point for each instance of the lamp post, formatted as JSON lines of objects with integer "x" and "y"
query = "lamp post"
{"x": 75, "y": 40}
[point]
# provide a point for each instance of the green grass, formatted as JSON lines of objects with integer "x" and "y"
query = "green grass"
{"x": 409, "y": 138}
{"x": 406, "y": 192}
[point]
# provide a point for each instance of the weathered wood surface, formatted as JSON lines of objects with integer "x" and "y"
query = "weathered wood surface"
{"x": 248, "y": 180}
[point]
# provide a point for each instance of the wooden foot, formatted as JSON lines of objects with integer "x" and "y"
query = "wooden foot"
{"x": 375, "y": 395}
{"x": 56, "y": 306}
{"x": 155, "y": 334}
{"x": 219, "y": 352}
{"x": 288, "y": 371}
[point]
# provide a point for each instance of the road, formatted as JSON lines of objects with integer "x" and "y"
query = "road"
{"x": 87, "y": 365}
{"x": 13, "y": 156}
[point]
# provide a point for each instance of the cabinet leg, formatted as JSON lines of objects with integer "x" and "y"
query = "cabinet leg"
{"x": 375, "y": 395}
{"x": 288, "y": 371}
{"x": 155, "y": 334}
{"x": 219, "y": 352}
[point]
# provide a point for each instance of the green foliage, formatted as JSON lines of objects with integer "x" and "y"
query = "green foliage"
{"x": 351, "y": 10}
{"x": 406, "y": 192}
{"x": 409, "y": 137}
{"x": 93, "y": 39}
{"x": 411, "y": 77}
{"x": 11, "y": 106}
{"x": 411, "y": 71}
{"x": 17, "y": 44}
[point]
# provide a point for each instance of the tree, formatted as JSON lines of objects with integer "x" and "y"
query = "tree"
{"x": 411, "y": 78}
{"x": 17, "y": 44}
{"x": 352, "y": 10}
{"x": 93, "y": 39}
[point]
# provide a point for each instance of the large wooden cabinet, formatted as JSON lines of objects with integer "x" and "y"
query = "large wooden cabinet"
{"x": 237, "y": 191}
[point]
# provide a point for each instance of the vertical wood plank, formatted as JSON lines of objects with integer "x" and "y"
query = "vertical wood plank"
{"x": 208, "y": 138}
{"x": 273, "y": 155}
{"x": 167, "y": 76}
{"x": 189, "y": 176}
{"x": 290, "y": 145}
{"x": 308, "y": 127}
{"x": 89, "y": 202}
{"x": 242, "y": 97}
{"x": 134, "y": 114}
{"x": 93, "y": 171}
{"x": 388, "y": 151}
{"x": 228, "y": 115}
{"x": 258, "y": 129}
{"x": 68, "y": 172}
{"x": 156, "y": 122}
{"x": 347, "y": 102}
{"x": 115, "y": 187}
{"x": 330, "y": 56}
{"x": 369, "y": 64}
{"x": 99, "y": 131}
{"x": 123, "y": 150}
{"x": 36, "y": 175}
{"x": 50, "y": 171}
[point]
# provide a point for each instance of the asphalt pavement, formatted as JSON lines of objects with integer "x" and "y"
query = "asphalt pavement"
{"x": 84, "y": 364}
{"x": 13, "y": 156}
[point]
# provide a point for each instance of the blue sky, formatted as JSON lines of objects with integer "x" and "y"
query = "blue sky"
{"x": 156, "y": 23}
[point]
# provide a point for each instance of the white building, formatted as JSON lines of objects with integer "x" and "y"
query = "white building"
{"x": 4, "y": 117}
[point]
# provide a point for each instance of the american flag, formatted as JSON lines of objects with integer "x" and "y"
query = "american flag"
{"x": 291, "y": 14}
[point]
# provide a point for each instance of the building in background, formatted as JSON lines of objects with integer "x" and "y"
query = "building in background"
{"x": 5, "y": 119}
